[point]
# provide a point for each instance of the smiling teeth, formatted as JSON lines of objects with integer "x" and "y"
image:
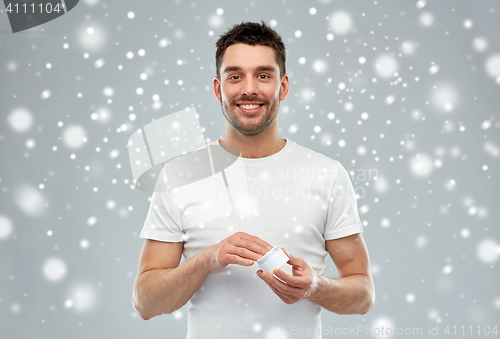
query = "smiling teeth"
{"x": 249, "y": 106}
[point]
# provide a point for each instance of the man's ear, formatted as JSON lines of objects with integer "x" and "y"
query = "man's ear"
{"x": 217, "y": 89}
{"x": 285, "y": 86}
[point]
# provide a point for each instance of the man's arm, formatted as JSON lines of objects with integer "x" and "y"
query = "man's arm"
{"x": 162, "y": 286}
{"x": 352, "y": 293}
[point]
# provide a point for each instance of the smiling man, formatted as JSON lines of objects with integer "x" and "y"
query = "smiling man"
{"x": 299, "y": 200}
{"x": 253, "y": 85}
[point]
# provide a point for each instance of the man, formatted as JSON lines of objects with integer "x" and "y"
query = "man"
{"x": 298, "y": 199}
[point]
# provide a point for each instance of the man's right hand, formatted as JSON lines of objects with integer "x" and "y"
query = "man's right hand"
{"x": 240, "y": 249}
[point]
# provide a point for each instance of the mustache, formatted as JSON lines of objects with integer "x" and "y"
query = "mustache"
{"x": 250, "y": 99}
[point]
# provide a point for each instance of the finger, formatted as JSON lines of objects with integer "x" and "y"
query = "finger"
{"x": 283, "y": 297}
{"x": 237, "y": 260}
{"x": 250, "y": 245}
{"x": 275, "y": 290}
{"x": 292, "y": 260}
{"x": 281, "y": 286}
{"x": 295, "y": 294}
{"x": 244, "y": 253}
{"x": 263, "y": 244}
{"x": 290, "y": 279}
{"x": 285, "y": 300}
{"x": 265, "y": 276}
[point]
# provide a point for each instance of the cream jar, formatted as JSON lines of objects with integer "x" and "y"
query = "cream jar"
{"x": 273, "y": 259}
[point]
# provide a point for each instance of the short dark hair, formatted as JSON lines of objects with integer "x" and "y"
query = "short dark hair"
{"x": 251, "y": 33}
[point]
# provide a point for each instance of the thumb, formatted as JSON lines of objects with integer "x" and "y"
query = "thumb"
{"x": 292, "y": 259}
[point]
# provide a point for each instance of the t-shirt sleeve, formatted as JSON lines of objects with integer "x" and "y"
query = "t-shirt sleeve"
{"x": 342, "y": 211}
{"x": 163, "y": 222}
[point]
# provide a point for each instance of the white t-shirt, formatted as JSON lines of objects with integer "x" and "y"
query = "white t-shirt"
{"x": 297, "y": 199}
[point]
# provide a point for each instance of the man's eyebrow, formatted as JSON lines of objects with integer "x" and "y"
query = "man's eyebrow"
{"x": 231, "y": 69}
{"x": 260, "y": 68}
{"x": 266, "y": 68}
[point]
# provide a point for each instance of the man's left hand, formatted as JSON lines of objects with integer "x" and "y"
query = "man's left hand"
{"x": 292, "y": 288}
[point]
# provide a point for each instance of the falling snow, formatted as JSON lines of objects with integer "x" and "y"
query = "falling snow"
{"x": 404, "y": 96}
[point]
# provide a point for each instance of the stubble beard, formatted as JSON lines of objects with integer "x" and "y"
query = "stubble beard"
{"x": 250, "y": 129}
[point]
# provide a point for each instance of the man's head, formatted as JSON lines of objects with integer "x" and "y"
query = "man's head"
{"x": 251, "y": 77}
{"x": 251, "y": 33}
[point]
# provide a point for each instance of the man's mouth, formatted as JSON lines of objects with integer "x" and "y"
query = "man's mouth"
{"x": 247, "y": 106}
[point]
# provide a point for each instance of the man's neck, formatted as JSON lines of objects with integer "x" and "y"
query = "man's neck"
{"x": 255, "y": 146}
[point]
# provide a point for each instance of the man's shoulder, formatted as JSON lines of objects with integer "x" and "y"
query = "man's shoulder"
{"x": 314, "y": 157}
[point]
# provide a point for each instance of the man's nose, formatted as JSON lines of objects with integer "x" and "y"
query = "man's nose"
{"x": 250, "y": 86}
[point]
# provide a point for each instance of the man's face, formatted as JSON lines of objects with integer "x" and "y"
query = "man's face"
{"x": 250, "y": 88}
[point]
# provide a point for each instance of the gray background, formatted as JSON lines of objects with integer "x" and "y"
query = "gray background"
{"x": 70, "y": 218}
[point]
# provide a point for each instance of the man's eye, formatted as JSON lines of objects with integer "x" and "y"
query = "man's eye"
{"x": 264, "y": 75}
{"x": 234, "y": 76}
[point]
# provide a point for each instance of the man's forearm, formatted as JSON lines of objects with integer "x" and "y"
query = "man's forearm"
{"x": 353, "y": 294}
{"x": 166, "y": 290}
